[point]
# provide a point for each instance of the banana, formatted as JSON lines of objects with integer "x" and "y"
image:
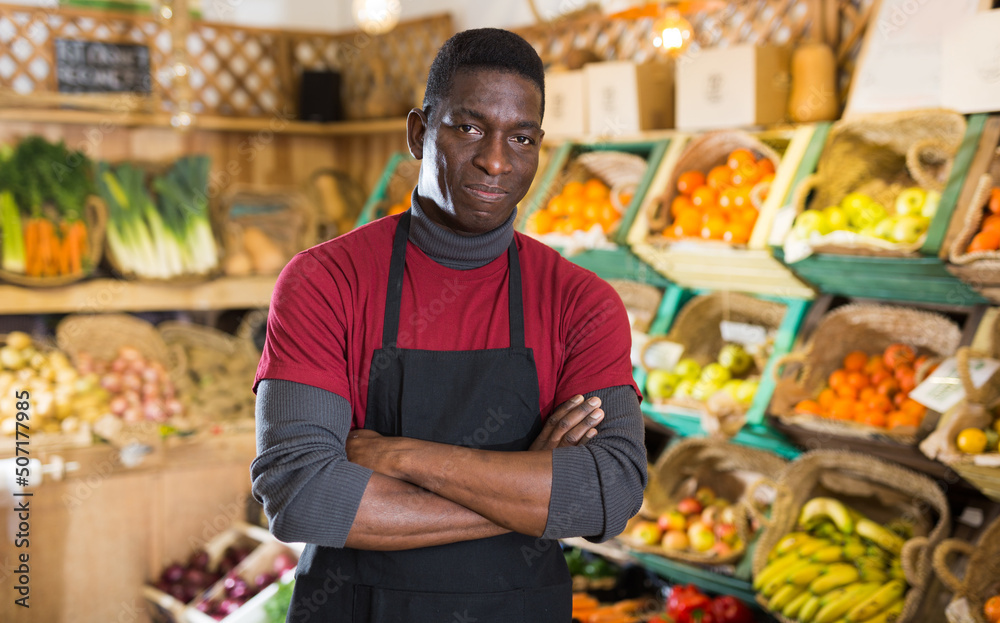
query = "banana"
{"x": 817, "y": 509}
{"x": 775, "y": 567}
{"x": 872, "y": 561}
{"x": 873, "y": 574}
{"x": 875, "y": 533}
{"x": 877, "y": 602}
{"x": 837, "y": 575}
{"x": 809, "y": 548}
{"x": 830, "y": 553}
{"x": 901, "y": 527}
{"x": 889, "y": 615}
{"x": 837, "y": 608}
{"x": 854, "y": 550}
{"x": 809, "y": 609}
{"x": 791, "y": 611}
{"x": 772, "y": 586}
{"x": 789, "y": 542}
{"x": 896, "y": 572}
{"x": 805, "y": 575}
{"x": 784, "y": 596}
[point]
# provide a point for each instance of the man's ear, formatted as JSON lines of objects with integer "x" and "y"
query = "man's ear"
{"x": 416, "y": 130}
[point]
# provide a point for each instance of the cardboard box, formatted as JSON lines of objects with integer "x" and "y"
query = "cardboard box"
{"x": 626, "y": 97}
{"x": 733, "y": 87}
{"x": 565, "y": 104}
{"x": 971, "y": 54}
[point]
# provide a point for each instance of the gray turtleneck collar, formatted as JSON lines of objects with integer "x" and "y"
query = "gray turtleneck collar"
{"x": 452, "y": 250}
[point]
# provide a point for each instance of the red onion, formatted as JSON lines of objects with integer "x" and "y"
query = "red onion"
{"x": 112, "y": 382}
{"x": 264, "y": 579}
{"x": 283, "y": 562}
{"x": 173, "y": 573}
{"x": 229, "y": 606}
{"x": 150, "y": 375}
{"x": 119, "y": 365}
{"x": 153, "y": 410}
{"x": 131, "y": 380}
{"x": 132, "y": 415}
{"x": 174, "y": 406}
{"x": 118, "y": 405}
{"x": 150, "y": 390}
{"x": 198, "y": 560}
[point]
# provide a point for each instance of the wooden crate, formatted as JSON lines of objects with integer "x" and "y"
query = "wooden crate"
{"x": 718, "y": 265}
{"x": 923, "y": 279}
{"x": 756, "y": 432}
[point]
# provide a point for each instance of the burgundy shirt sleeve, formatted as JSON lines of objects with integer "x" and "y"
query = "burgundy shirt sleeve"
{"x": 307, "y": 328}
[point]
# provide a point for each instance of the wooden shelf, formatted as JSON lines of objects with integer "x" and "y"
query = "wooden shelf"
{"x": 109, "y": 295}
{"x": 276, "y": 124}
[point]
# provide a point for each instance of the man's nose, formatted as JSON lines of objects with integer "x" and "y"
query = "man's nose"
{"x": 493, "y": 157}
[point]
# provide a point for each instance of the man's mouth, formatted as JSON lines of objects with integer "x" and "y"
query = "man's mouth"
{"x": 485, "y": 192}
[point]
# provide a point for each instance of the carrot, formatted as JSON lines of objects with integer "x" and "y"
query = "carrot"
{"x": 47, "y": 236}
{"x": 75, "y": 240}
{"x": 63, "y": 249}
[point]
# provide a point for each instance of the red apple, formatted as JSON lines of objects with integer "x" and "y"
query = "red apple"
{"x": 676, "y": 540}
{"x": 672, "y": 520}
{"x": 710, "y": 516}
{"x": 726, "y": 532}
{"x": 721, "y": 549}
{"x": 689, "y": 506}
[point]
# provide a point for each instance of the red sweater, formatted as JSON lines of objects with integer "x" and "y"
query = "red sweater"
{"x": 328, "y": 307}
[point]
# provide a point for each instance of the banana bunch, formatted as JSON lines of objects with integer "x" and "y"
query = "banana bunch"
{"x": 839, "y": 567}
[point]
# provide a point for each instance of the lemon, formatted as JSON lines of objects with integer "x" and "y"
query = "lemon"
{"x": 971, "y": 441}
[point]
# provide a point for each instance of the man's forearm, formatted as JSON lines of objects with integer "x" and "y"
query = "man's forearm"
{"x": 396, "y": 515}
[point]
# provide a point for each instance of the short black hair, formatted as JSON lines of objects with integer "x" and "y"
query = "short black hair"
{"x": 482, "y": 48}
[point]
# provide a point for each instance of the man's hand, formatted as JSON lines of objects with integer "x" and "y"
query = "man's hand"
{"x": 368, "y": 449}
{"x": 571, "y": 424}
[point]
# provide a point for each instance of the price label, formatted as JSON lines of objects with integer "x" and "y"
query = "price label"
{"x": 662, "y": 355}
{"x": 943, "y": 389}
{"x": 743, "y": 333}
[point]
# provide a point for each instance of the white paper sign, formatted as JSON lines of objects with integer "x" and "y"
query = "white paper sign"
{"x": 663, "y": 356}
{"x": 742, "y": 333}
{"x": 972, "y": 56}
{"x": 943, "y": 390}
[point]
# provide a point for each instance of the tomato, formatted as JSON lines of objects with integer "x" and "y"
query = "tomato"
{"x": 896, "y": 355}
{"x": 684, "y": 602}
{"x": 728, "y": 609}
{"x": 992, "y": 609}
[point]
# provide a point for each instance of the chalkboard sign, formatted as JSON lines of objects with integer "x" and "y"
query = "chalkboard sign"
{"x": 100, "y": 67}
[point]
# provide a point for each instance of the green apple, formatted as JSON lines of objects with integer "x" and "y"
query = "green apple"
{"x": 808, "y": 222}
{"x": 746, "y": 393}
{"x": 684, "y": 388}
{"x": 705, "y": 495}
{"x": 911, "y": 201}
{"x": 735, "y": 358}
{"x": 855, "y": 202}
{"x": 931, "y": 204}
{"x": 703, "y": 390}
{"x": 908, "y": 229}
{"x": 688, "y": 368}
{"x": 647, "y": 532}
{"x": 836, "y": 218}
{"x": 732, "y": 387}
{"x": 868, "y": 216}
{"x": 883, "y": 229}
{"x": 716, "y": 374}
{"x": 661, "y": 383}
{"x": 869, "y": 231}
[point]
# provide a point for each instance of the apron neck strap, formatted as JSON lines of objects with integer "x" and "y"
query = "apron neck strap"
{"x": 394, "y": 290}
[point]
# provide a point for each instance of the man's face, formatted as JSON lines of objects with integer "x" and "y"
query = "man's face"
{"x": 479, "y": 149}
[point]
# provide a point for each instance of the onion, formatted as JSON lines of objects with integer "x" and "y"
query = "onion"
{"x": 112, "y": 382}
{"x": 150, "y": 390}
{"x": 238, "y": 588}
{"x": 174, "y": 407}
{"x": 204, "y": 606}
{"x": 229, "y": 606}
{"x": 283, "y": 562}
{"x": 132, "y": 415}
{"x": 172, "y": 574}
{"x": 150, "y": 375}
{"x": 198, "y": 560}
{"x": 179, "y": 593}
{"x": 118, "y": 405}
{"x": 129, "y": 353}
{"x": 131, "y": 380}
{"x": 264, "y": 579}
{"x": 119, "y": 365}
{"x": 153, "y": 410}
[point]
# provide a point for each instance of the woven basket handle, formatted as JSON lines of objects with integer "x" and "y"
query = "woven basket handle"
{"x": 800, "y": 358}
{"x": 933, "y": 150}
{"x": 801, "y": 195}
{"x": 912, "y": 560}
{"x": 750, "y": 500}
{"x": 658, "y": 214}
{"x": 972, "y": 393}
{"x": 943, "y": 569}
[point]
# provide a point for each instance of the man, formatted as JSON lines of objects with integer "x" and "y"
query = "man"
{"x": 408, "y": 369}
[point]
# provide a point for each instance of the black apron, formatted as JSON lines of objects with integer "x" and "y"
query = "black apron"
{"x": 485, "y": 399}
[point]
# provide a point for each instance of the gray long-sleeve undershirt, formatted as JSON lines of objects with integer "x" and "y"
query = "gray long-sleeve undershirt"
{"x": 311, "y": 492}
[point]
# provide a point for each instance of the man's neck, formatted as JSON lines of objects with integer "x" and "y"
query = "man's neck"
{"x": 453, "y": 250}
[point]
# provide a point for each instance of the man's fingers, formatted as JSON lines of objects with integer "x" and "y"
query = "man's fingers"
{"x": 582, "y": 431}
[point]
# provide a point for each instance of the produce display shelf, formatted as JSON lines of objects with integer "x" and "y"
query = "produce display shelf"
{"x": 704, "y": 579}
{"x": 719, "y": 266}
{"x": 923, "y": 279}
{"x": 108, "y": 295}
{"x": 618, "y": 263}
{"x": 756, "y": 432}
{"x": 275, "y": 124}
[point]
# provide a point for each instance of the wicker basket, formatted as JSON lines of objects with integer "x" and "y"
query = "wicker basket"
{"x": 96, "y": 219}
{"x": 870, "y": 328}
{"x": 980, "y": 470}
{"x": 284, "y": 214}
{"x": 219, "y": 372}
{"x": 641, "y": 301}
{"x": 880, "y": 490}
{"x": 702, "y": 154}
{"x": 981, "y": 269}
{"x": 981, "y": 579}
{"x": 102, "y": 335}
{"x": 730, "y": 469}
{"x": 880, "y": 155}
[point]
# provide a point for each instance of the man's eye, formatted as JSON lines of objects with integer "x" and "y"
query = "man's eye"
{"x": 465, "y": 127}
{"x": 524, "y": 140}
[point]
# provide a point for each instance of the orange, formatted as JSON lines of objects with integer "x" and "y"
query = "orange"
{"x": 897, "y": 419}
{"x": 842, "y": 409}
{"x": 737, "y": 232}
{"x": 559, "y": 205}
{"x": 871, "y": 418}
{"x": 994, "y": 204}
{"x": 847, "y": 391}
{"x": 880, "y": 403}
{"x": 897, "y": 354}
{"x": 992, "y": 609}
{"x": 715, "y": 227}
{"x": 987, "y": 240}
{"x": 625, "y": 198}
{"x": 991, "y": 223}
{"x": 688, "y": 223}
{"x": 837, "y": 379}
{"x": 746, "y": 215}
{"x": 867, "y": 394}
{"x": 720, "y": 177}
{"x": 689, "y": 181}
{"x": 857, "y": 380}
{"x": 875, "y": 364}
{"x": 681, "y": 202}
{"x": 855, "y": 361}
{"x": 826, "y": 398}
{"x": 747, "y": 174}
{"x": 733, "y": 198}
{"x": 609, "y": 216}
{"x": 541, "y": 222}
{"x": 913, "y": 408}
{"x": 810, "y": 407}
{"x": 703, "y": 196}
{"x": 739, "y": 157}
{"x": 577, "y": 223}
{"x": 592, "y": 211}
{"x": 887, "y": 387}
{"x": 563, "y": 225}
{"x": 766, "y": 167}
{"x": 907, "y": 379}
{"x": 595, "y": 189}
{"x": 573, "y": 189}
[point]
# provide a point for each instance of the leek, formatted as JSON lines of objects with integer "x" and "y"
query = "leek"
{"x": 13, "y": 235}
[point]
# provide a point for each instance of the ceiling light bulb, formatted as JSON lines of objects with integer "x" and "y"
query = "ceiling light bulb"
{"x": 166, "y": 12}
{"x": 672, "y": 32}
{"x": 377, "y": 17}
